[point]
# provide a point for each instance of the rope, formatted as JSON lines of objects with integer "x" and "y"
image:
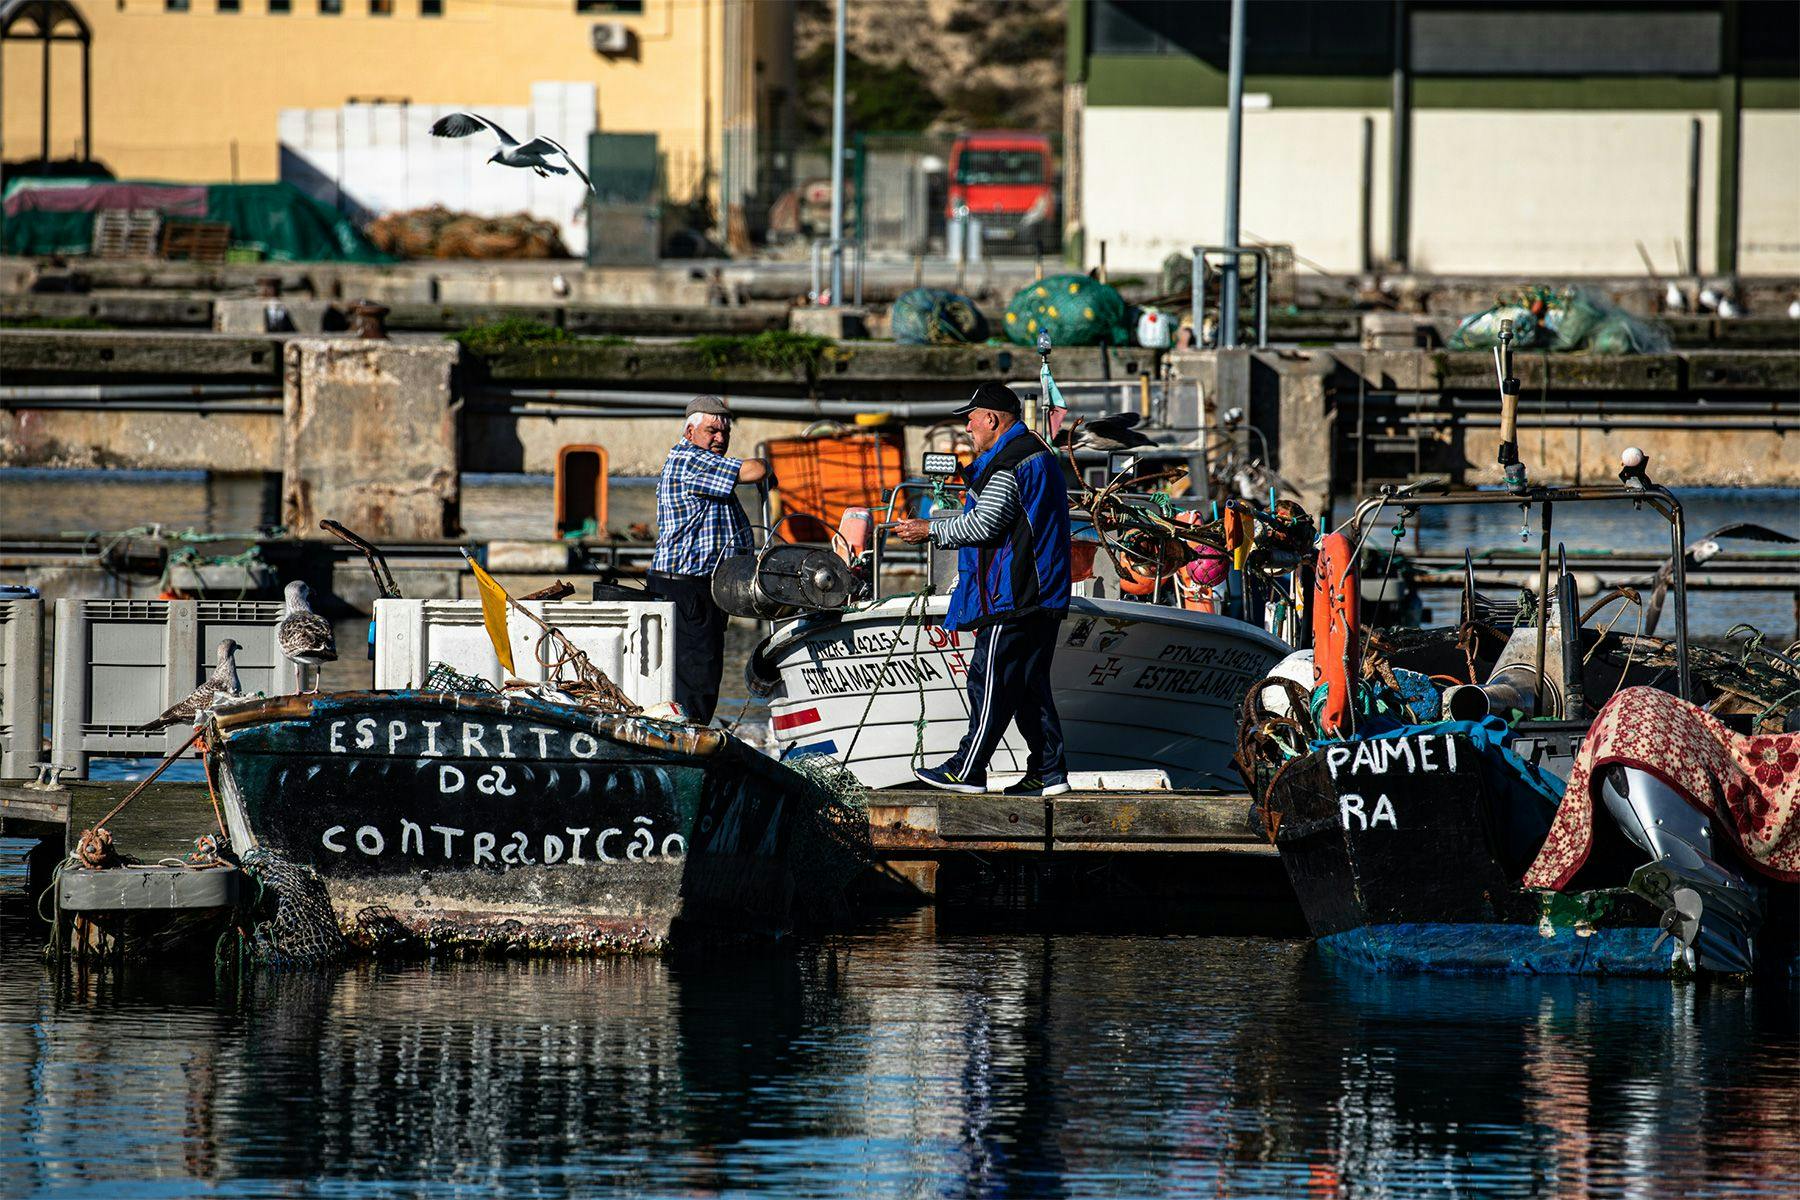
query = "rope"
{"x": 167, "y": 762}
{"x": 919, "y": 602}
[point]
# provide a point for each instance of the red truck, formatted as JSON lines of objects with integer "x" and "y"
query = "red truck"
{"x": 1007, "y": 180}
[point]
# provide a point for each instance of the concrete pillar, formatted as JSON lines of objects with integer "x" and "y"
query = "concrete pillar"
{"x": 1303, "y": 453}
{"x": 370, "y": 438}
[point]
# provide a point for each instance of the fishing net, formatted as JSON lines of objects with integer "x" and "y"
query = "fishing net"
{"x": 832, "y": 846}
{"x": 1566, "y": 320}
{"x": 934, "y": 317}
{"x": 444, "y": 678}
{"x": 1076, "y": 310}
{"x": 293, "y": 924}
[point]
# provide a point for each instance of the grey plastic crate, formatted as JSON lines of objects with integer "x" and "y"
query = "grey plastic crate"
{"x": 21, "y": 686}
{"x": 121, "y": 662}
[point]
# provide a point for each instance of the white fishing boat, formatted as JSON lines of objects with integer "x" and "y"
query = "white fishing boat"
{"x": 1138, "y": 687}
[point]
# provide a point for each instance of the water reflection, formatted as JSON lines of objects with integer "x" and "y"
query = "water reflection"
{"x": 900, "y": 1060}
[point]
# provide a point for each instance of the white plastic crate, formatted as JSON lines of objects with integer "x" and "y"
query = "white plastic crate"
{"x": 21, "y": 685}
{"x": 632, "y": 641}
{"x": 119, "y": 663}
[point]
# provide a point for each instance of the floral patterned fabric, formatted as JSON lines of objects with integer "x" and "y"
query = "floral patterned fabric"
{"x": 1749, "y": 785}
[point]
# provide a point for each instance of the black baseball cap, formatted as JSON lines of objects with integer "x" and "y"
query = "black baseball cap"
{"x": 995, "y": 396}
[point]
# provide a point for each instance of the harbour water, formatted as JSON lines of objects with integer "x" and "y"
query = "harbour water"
{"x": 910, "y": 1059}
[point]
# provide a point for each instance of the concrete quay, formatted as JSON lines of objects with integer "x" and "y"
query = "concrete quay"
{"x": 323, "y": 412}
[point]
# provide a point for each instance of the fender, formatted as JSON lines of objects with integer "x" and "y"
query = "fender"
{"x": 1334, "y": 620}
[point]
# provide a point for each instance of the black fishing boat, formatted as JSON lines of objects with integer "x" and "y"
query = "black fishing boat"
{"x": 1574, "y": 801}
{"x": 452, "y": 821}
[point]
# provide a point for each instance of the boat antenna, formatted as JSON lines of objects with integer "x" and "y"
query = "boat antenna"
{"x": 1511, "y": 468}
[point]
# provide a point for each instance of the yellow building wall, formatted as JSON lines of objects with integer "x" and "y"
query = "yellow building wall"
{"x": 175, "y": 92}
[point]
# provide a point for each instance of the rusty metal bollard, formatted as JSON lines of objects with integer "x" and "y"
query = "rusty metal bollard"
{"x": 368, "y": 320}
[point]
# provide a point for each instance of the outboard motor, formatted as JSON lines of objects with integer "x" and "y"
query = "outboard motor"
{"x": 1711, "y": 909}
{"x": 1513, "y": 683}
{"x": 780, "y": 580}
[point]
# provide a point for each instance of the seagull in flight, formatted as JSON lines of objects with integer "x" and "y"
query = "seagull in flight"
{"x": 535, "y": 154}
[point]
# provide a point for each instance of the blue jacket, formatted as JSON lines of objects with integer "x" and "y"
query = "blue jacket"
{"x": 1025, "y": 568}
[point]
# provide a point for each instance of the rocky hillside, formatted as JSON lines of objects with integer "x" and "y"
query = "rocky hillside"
{"x": 934, "y": 65}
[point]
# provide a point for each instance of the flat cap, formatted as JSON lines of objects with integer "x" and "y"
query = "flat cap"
{"x": 708, "y": 405}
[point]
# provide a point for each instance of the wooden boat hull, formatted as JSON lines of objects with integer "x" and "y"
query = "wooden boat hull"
{"x": 1138, "y": 686}
{"x": 1401, "y": 863}
{"x": 475, "y": 820}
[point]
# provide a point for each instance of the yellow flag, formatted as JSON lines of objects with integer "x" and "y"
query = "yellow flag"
{"x": 493, "y": 614}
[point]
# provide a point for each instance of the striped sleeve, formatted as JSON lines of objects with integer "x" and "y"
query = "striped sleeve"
{"x": 984, "y": 525}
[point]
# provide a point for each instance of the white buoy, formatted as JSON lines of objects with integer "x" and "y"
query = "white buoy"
{"x": 1673, "y": 300}
{"x": 1632, "y": 458}
{"x": 1709, "y": 298}
{"x": 1794, "y": 311}
{"x": 1727, "y": 308}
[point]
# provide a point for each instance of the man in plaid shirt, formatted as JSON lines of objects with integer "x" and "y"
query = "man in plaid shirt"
{"x": 698, "y": 522}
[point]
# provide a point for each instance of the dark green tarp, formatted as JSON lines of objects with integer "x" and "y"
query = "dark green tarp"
{"x": 277, "y": 219}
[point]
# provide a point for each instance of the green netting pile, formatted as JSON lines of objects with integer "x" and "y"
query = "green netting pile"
{"x": 1569, "y": 319}
{"x": 275, "y": 221}
{"x": 934, "y": 317}
{"x": 1077, "y": 311}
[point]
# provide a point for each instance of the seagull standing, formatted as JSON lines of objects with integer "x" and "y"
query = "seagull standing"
{"x": 304, "y": 636}
{"x": 221, "y": 686}
{"x": 534, "y": 154}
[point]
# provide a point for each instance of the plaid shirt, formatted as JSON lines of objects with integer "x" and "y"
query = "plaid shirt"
{"x": 698, "y": 518}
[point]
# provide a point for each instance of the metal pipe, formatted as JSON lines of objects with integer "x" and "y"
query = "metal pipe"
{"x": 1400, "y": 135}
{"x": 1543, "y": 602}
{"x": 1773, "y": 422}
{"x": 1678, "y": 548}
{"x": 837, "y": 159}
{"x": 1262, "y": 299}
{"x": 668, "y": 402}
{"x": 25, "y": 393}
{"x": 1693, "y": 197}
{"x": 1234, "y": 121}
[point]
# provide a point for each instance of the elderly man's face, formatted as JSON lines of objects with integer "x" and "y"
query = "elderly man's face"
{"x": 711, "y": 432}
{"x": 985, "y": 427}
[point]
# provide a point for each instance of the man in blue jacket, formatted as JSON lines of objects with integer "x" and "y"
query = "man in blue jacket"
{"x": 1012, "y": 589}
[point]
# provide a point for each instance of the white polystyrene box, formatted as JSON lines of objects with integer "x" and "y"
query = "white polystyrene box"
{"x": 632, "y": 641}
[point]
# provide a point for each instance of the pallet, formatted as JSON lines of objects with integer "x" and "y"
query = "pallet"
{"x": 126, "y": 233}
{"x": 196, "y": 241}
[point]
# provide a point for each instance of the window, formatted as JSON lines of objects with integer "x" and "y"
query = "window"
{"x": 228, "y": 6}
{"x": 381, "y": 8}
{"x": 1000, "y": 166}
{"x": 175, "y": 5}
{"x": 279, "y": 7}
{"x": 616, "y": 8}
{"x": 330, "y": 8}
{"x": 431, "y": 8}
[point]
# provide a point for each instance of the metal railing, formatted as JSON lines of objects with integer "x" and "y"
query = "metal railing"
{"x": 1200, "y": 272}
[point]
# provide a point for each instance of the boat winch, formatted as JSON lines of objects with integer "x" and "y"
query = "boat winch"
{"x": 780, "y": 580}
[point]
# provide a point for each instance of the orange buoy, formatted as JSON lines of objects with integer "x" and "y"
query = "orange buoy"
{"x": 1334, "y": 624}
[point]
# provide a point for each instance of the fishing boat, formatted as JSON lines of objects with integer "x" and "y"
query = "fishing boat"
{"x": 1139, "y": 687}
{"x": 1521, "y": 792}
{"x": 455, "y": 820}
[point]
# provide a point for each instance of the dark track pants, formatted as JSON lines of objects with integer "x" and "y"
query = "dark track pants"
{"x": 699, "y": 642}
{"x": 1009, "y": 678}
